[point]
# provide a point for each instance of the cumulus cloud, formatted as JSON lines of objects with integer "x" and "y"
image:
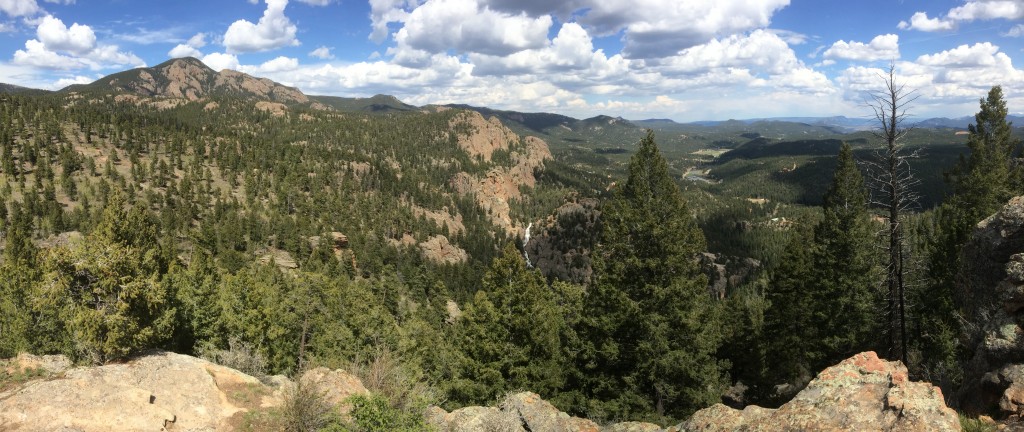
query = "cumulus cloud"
{"x": 190, "y": 48}
{"x": 971, "y": 10}
{"x": 184, "y": 50}
{"x": 462, "y": 25}
{"x": 221, "y": 61}
{"x": 58, "y": 46}
{"x": 881, "y": 47}
{"x": 279, "y": 64}
{"x": 17, "y": 8}
{"x": 274, "y": 30}
{"x": 323, "y": 53}
{"x": 78, "y": 39}
{"x": 948, "y": 80}
{"x": 920, "y": 21}
{"x": 651, "y": 28}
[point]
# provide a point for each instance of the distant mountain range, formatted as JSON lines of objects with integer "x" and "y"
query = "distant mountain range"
{"x": 190, "y": 79}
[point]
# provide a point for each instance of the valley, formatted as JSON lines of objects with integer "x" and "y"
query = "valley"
{"x": 219, "y": 215}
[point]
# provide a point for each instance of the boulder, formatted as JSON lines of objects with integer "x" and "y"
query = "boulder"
{"x": 539, "y": 415}
{"x": 518, "y": 412}
{"x": 337, "y": 386}
{"x": 862, "y": 393}
{"x": 990, "y": 287}
{"x": 150, "y": 393}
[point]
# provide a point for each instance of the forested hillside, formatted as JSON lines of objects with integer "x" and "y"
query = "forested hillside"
{"x": 621, "y": 273}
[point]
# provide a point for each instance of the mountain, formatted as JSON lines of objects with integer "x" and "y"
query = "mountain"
{"x": 375, "y": 104}
{"x": 16, "y": 89}
{"x": 188, "y": 78}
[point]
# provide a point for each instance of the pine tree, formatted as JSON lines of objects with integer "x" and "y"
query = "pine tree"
{"x": 981, "y": 183}
{"x": 845, "y": 306}
{"x": 789, "y": 327}
{"x": 650, "y": 327}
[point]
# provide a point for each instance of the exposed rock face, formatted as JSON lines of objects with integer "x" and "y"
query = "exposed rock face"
{"x": 862, "y": 393}
{"x": 150, "y": 393}
{"x": 726, "y": 272}
{"x": 337, "y": 386}
{"x": 991, "y": 289}
{"x": 158, "y": 391}
{"x": 560, "y": 245}
{"x": 500, "y": 184}
{"x": 484, "y": 136}
{"x": 190, "y": 79}
{"x": 519, "y": 412}
{"x": 439, "y": 250}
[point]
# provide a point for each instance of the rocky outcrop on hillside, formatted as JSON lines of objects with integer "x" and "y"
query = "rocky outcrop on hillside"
{"x": 862, "y": 393}
{"x": 439, "y": 250}
{"x": 726, "y": 272}
{"x": 188, "y": 79}
{"x": 991, "y": 289}
{"x": 560, "y": 245}
{"x": 519, "y": 412}
{"x": 501, "y": 184}
{"x": 158, "y": 391}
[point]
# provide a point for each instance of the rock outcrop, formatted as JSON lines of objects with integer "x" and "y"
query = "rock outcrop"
{"x": 991, "y": 289}
{"x": 150, "y": 393}
{"x": 862, "y": 393}
{"x": 501, "y": 184}
{"x": 519, "y": 412}
{"x": 155, "y": 392}
{"x": 438, "y": 249}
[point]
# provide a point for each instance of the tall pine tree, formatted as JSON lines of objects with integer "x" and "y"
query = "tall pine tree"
{"x": 981, "y": 183}
{"x": 650, "y": 327}
{"x": 846, "y": 269}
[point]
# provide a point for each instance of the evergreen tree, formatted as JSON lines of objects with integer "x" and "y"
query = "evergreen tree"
{"x": 789, "y": 326}
{"x": 981, "y": 183}
{"x": 512, "y": 333}
{"x": 846, "y": 270}
{"x": 650, "y": 327}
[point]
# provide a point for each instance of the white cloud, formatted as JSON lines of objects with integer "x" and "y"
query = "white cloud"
{"x": 987, "y": 10}
{"x": 977, "y": 55}
{"x": 221, "y": 61}
{"x": 190, "y": 48}
{"x": 651, "y": 28}
{"x": 60, "y": 47}
{"x": 881, "y": 47}
{"x": 64, "y": 82}
{"x": 920, "y": 21}
{"x": 946, "y": 81}
{"x": 66, "y": 2}
{"x": 1015, "y": 31}
{"x": 279, "y": 64}
{"x": 791, "y": 37}
{"x": 461, "y": 25}
{"x": 970, "y": 11}
{"x": 78, "y": 39}
{"x": 184, "y": 50}
{"x": 17, "y": 8}
{"x": 274, "y": 30}
{"x": 323, "y": 53}
{"x": 197, "y": 41}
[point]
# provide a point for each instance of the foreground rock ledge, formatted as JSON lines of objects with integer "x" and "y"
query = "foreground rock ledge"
{"x": 863, "y": 393}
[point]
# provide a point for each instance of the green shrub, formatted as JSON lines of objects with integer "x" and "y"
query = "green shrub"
{"x": 375, "y": 414}
{"x": 975, "y": 425}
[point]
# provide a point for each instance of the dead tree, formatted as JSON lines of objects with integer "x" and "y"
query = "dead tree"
{"x": 893, "y": 194}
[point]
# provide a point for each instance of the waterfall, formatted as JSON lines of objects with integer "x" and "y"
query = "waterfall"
{"x": 526, "y": 240}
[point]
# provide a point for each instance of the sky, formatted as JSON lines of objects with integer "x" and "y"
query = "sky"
{"x": 685, "y": 60}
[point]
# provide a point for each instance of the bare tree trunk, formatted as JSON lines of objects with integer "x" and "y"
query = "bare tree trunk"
{"x": 893, "y": 184}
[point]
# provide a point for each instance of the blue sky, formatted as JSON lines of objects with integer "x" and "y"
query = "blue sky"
{"x": 679, "y": 59}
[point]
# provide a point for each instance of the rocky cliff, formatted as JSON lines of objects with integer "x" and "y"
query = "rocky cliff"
{"x": 991, "y": 289}
{"x": 500, "y": 185}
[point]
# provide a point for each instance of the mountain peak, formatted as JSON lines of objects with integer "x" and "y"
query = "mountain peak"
{"x": 191, "y": 79}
